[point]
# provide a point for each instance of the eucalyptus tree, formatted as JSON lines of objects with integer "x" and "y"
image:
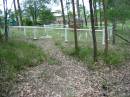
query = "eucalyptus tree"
{"x": 95, "y": 12}
{"x": 84, "y": 10}
{"x": 37, "y": 12}
{"x": 93, "y": 31}
{"x": 20, "y": 13}
{"x": 100, "y": 12}
{"x": 15, "y": 8}
{"x": 105, "y": 24}
{"x": 75, "y": 29}
{"x": 5, "y": 19}
{"x": 63, "y": 13}
{"x": 78, "y": 9}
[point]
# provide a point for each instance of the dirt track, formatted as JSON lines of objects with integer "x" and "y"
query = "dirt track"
{"x": 69, "y": 78}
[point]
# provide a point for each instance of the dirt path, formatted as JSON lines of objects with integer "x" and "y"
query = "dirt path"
{"x": 65, "y": 78}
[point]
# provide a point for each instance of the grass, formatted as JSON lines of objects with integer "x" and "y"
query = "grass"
{"x": 15, "y": 56}
{"x": 116, "y": 55}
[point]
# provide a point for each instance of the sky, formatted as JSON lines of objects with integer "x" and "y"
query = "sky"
{"x": 55, "y": 6}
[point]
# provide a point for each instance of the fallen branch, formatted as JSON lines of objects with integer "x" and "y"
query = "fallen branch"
{"x": 122, "y": 38}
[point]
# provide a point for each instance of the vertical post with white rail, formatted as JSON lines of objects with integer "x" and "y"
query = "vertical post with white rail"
{"x": 25, "y": 34}
{"x": 66, "y": 33}
{"x": 103, "y": 37}
{"x": 34, "y": 34}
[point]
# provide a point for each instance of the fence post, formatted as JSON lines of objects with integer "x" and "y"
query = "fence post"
{"x": 25, "y": 32}
{"x": 66, "y": 33}
{"x": 103, "y": 36}
{"x": 34, "y": 33}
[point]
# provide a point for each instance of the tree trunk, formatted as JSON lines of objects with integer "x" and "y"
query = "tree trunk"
{"x": 93, "y": 32}
{"x": 63, "y": 14}
{"x": 78, "y": 10}
{"x": 20, "y": 13}
{"x": 5, "y": 17}
{"x": 113, "y": 32}
{"x": 68, "y": 12}
{"x": 15, "y": 12}
{"x": 75, "y": 30}
{"x": 105, "y": 24}
{"x": 95, "y": 13}
{"x": 100, "y": 11}
{"x": 84, "y": 14}
{"x": 35, "y": 13}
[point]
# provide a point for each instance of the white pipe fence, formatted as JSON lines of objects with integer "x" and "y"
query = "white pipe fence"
{"x": 65, "y": 32}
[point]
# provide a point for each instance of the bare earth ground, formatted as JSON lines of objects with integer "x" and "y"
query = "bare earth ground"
{"x": 69, "y": 78}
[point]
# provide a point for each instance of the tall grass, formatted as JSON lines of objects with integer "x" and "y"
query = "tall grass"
{"x": 15, "y": 56}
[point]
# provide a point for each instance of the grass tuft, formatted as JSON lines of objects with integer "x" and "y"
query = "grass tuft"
{"x": 14, "y": 57}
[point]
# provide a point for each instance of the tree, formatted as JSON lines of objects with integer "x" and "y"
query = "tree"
{"x": 105, "y": 24}
{"x": 93, "y": 31}
{"x": 20, "y": 13}
{"x": 78, "y": 9}
{"x": 63, "y": 14}
{"x": 46, "y": 16}
{"x": 5, "y": 18}
{"x": 84, "y": 13}
{"x": 68, "y": 8}
{"x": 15, "y": 12}
{"x": 95, "y": 12}
{"x": 100, "y": 11}
{"x": 75, "y": 30}
{"x": 35, "y": 12}
{"x": 118, "y": 13}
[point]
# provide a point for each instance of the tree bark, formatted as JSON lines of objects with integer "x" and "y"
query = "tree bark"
{"x": 75, "y": 30}
{"x": 63, "y": 14}
{"x": 20, "y": 13}
{"x": 5, "y": 17}
{"x": 95, "y": 13}
{"x": 105, "y": 24}
{"x": 15, "y": 12}
{"x": 100, "y": 11}
{"x": 113, "y": 32}
{"x": 84, "y": 14}
{"x": 78, "y": 10}
{"x": 67, "y": 5}
{"x": 93, "y": 32}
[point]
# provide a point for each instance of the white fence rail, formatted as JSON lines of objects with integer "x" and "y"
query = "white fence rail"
{"x": 46, "y": 32}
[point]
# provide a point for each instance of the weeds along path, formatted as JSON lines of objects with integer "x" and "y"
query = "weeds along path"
{"x": 62, "y": 76}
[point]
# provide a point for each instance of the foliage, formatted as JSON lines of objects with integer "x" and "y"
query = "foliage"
{"x": 119, "y": 10}
{"x": 27, "y": 21}
{"x": 37, "y": 11}
{"x": 46, "y": 16}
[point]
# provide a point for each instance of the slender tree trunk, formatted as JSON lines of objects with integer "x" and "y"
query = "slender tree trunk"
{"x": 5, "y": 17}
{"x": 75, "y": 30}
{"x": 93, "y": 32}
{"x": 84, "y": 13}
{"x": 78, "y": 10}
{"x": 35, "y": 13}
{"x": 105, "y": 23}
{"x": 15, "y": 12}
{"x": 100, "y": 11}
{"x": 113, "y": 32}
{"x": 67, "y": 6}
{"x": 95, "y": 13}
{"x": 20, "y": 13}
{"x": 63, "y": 14}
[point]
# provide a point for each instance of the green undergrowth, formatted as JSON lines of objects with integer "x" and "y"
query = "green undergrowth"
{"x": 15, "y": 56}
{"x": 116, "y": 55}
